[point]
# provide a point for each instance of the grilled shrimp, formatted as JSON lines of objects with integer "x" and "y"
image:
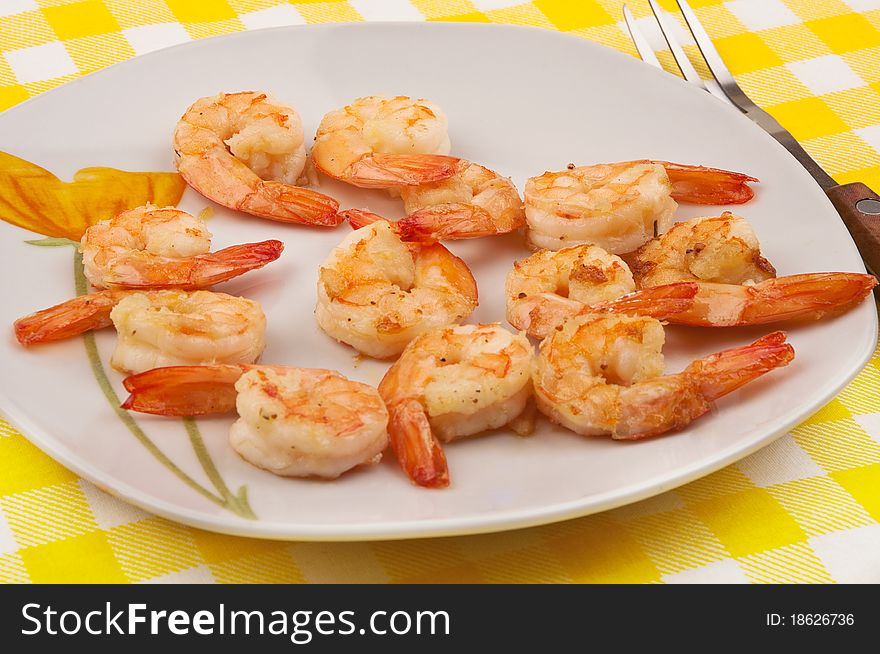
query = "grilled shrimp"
{"x": 376, "y": 293}
{"x": 245, "y": 151}
{"x": 157, "y": 328}
{"x": 721, "y": 249}
{"x": 548, "y": 287}
{"x": 293, "y": 422}
{"x": 735, "y": 284}
{"x": 603, "y": 374}
{"x": 148, "y": 247}
{"x": 450, "y": 383}
{"x": 474, "y": 202}
{"x": 386, "y": 143}
{"x": 621, "y": 206}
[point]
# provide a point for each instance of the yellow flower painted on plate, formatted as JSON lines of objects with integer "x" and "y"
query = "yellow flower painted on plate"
{"x": 33, "y": 198}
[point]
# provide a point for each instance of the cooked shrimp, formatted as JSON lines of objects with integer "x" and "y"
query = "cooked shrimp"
{"x": 148, "y": 247}
{"x": 168, "y": 328}
{"x": 246, "y": 152}
{"x": 157, "y": 328}
{"x": 450, "y": 383}
{"x": 377, "y": 293}
{"x": 721, "y": 249}
{"x": 548, "y": 287}
{"x": 293, "y": 422}
{"x": 472, "y": 203}
{"x": 602, "y": 374}
{"x": 380, "y": 142}
{"x": 621, "y": 206}
{"x": 735, "y": 284}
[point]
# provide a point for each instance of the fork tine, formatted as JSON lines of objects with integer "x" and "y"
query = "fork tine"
{"x": 684, "y": 64}
{"x": 641, "y": 43}
{"x": 647, "y": 54}
{"x": 713, "y": 59}
{"x": 690, "y": 73}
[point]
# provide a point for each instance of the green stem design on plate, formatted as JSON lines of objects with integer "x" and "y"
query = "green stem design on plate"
{"x": 237, "y": 503}
{"x": 52, "y": 242}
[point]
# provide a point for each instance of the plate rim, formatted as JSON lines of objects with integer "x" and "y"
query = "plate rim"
{"x": 441, "y": 527}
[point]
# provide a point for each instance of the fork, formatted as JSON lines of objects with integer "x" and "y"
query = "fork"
{"x": 857, "y": 204}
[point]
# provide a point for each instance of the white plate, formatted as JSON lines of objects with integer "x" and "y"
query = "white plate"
{"x": 520, "y": 101}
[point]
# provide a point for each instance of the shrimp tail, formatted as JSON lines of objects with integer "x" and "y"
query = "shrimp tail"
{"x": 415, "y": 446}
{"x": 183, "y": 390}
{"x": 71, "y": 318}
{"x": 433, "y": 224}
{"x": 811, "y": 296}
{"x": 447, "y": 221}
{"x": 656, "y": 302}
{"x": 701, "y": 185}
{"x": 773, "y": 338}
{"x": 391, "y": 170}
{"x": 672, "y": 402}
{"x": 358, "y": 218}
{"x": 235, "y": 260}
{"x": 724, "y": 372}
{"x": 291, "y": 204}
{"x": 197, "y": 272}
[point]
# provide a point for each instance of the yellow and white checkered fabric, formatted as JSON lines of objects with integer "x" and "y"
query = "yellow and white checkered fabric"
{"x": 805, "y": 509}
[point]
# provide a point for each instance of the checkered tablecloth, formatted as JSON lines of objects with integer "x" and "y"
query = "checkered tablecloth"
{"x": 805, "y": 509}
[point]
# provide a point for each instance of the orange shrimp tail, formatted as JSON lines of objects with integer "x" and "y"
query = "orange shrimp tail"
{"x": 672, "y": 402}
{"x": 71, "y": 318}
{"x": 447, "y": 221}
{"x": 358, "y": 218}
{"x": 183, "y": 390}
{"x": 417, "y": 450}
{"x": 773, "y": 338}
{"x": 724, "y": 372}
{"x": 236, "y": 260}
{"x": 701, "y": 185}
{"x": 292, "y": 204}
{"x": 811, "y": 296}
{"x": 391, "y": 170}
{"x": 197, "y": 272}
{"x": 656, "y": 302}
{"x": 667, "y": 404}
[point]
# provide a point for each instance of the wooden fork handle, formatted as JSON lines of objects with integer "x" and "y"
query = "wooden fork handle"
{"x": 859, "y": 207}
